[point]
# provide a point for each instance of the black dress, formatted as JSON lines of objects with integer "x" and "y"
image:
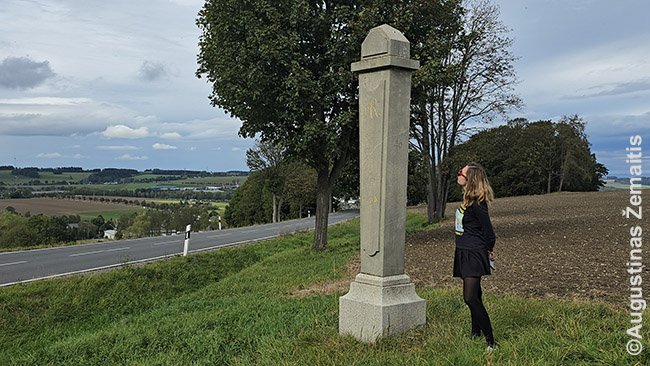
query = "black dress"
{"x": 474, "y": 236}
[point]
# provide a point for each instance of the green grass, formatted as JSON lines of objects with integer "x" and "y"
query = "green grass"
{"x": 235, "y": 307}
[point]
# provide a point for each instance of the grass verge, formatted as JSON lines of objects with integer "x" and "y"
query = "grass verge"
{"x": 234, "y": 307}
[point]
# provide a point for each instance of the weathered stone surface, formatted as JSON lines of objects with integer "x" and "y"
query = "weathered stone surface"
{"x": 382, "y": 301}
{"x": 379, "y": 307}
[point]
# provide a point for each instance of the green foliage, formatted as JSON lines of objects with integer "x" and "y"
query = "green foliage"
{"x": 165, "y": 219}
{"x": 18, "y": 231}
{"x": 248, "y": 205}
{"x": 110, "y": 175}
{"x": 524, "y": 158}
{"x": 36, "y": 230}
{"x": 252, "y": 203}
{"x": 238, "y": 306}
{"x": 26, "y": 172}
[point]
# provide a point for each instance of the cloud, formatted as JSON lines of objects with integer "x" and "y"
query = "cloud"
{"x": 613, "y": 89}
{"x": 621, "y": 63}
{"x": 125, "y": 132}
{"x": 159, "y": 146}
{"x": 23, "y": 73}
{"x": 236, "y": 149}
{"x": 53, "y": 155}
{"x": 118, "y": 147}
{"x": 171, "y": 136}
{"x": 58, "y": 116}
{"x": 56, "y": 155}
{"x": 129, "y": 157}
{"x": 151, "y": 71}
{"x": 44, "y": 101}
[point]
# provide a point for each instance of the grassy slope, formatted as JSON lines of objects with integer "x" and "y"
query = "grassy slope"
{"x": 233, "y": 306}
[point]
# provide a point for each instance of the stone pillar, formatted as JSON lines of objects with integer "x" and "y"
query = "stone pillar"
{"x": 382, "y": 300}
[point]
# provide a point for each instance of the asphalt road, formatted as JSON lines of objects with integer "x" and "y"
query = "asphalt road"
{"x": 37, "y": 264}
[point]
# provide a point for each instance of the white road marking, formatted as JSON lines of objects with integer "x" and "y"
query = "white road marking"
{"x": 166, "y": 242}
{"x": 99, "y": 251}
{"x": 12, "y": 263}
{"x": 219, "y": 235}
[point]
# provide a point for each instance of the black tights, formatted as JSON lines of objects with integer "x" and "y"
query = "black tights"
{"x": 480, "y": 320}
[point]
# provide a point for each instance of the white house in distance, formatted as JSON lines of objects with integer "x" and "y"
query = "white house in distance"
{"x": 110, "y": 234}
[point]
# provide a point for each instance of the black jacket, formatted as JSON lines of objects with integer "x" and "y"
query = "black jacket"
{"x": 474, "y": 228}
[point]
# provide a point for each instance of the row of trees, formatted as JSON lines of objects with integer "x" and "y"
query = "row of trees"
{"x": 284, "y": 71}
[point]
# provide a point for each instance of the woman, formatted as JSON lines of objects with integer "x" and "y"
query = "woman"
{"x": 475, "y": 240}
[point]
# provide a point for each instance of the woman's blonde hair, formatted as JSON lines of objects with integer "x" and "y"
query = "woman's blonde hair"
{"x": 478, "y": 187}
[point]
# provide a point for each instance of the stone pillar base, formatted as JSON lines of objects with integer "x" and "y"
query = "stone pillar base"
{"x": 380, "y": 306}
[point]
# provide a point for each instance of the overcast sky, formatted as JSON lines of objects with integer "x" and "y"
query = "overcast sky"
{"x": 111, "y": 83}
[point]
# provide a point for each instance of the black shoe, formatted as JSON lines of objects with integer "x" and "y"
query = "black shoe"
{"x": 474, "y": 335}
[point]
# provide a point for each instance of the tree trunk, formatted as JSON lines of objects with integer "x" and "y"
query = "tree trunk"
{"x": 430, "y": 168}
{"x": 431, "y": 193}
{"x": 323, "y": 198}
{"x": 548, "y": 183}
{"x": 279, "y": 210}
{"x": 275, "y": 210}
{"x": 563, "y": 171}
{"x": 440, "y": 196}
{"x": 443, "y": 201}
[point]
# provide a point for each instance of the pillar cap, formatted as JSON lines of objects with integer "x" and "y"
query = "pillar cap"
{"x": 385, "y": 47}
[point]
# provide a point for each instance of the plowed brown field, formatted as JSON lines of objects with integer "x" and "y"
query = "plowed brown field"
{"x": 562, "y": 245}
{"x": 53, "y": 206}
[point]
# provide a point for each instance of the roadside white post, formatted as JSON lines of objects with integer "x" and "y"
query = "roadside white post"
{"x": 219, "y": 222}
{"x": 308, "y": 213}
{"x": 188, "y": 229}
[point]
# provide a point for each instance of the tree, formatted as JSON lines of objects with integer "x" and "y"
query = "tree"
{"x": 468, "y": 76}
{"x": 300, "y": 188}
{"x": 270, "y": 160}
{"x": 248, "y": 205}
{"x": 283, "y": 69}
{"x": 251, "y": 203}
{"x": 574, "y": 157}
